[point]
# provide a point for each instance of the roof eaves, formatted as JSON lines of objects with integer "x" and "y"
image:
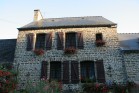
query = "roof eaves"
{"x": 69, "y": 26}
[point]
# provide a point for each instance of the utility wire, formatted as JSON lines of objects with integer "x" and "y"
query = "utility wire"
{"x": 8, "y": 21}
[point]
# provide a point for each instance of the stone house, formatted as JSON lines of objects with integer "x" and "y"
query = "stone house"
{"x": 75, "y": 50}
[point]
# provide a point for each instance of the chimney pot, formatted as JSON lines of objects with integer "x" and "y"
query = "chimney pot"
{"x": 37, "y": 15}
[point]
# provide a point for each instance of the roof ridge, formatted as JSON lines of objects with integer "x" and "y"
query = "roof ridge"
{"x": 84, "y": 21}
{"x": 72, "y": 17}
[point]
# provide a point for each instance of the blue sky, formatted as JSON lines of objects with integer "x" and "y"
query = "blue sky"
{"x": 17, "y": 13}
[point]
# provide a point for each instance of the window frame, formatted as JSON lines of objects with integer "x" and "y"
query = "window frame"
{"x": 38, "y": 47}
{"x": 58, "y": 73}
{"x": 47, "y": 41}
{"x": 85, "y": 64}
{"x": 99, "y": 36}
{"x": 66, "y": 34}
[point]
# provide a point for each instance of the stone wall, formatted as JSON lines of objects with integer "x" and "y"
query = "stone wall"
{"x": 132, "y": 65}
{"x": 30, "y": 64}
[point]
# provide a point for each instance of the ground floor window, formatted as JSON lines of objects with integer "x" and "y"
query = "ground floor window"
{"x": 55, "y": 71}
{"x": 74, "y": 71}
{"x": 87, "y": 71}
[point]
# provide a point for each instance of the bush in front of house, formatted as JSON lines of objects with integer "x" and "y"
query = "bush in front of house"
{"x": 42, "y": 86}
{"x": 8, "y": 80}
{"x": 95, "y": 88}
{"x": 113, "y": 88}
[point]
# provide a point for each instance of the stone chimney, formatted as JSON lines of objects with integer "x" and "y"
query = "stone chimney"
{"x": 37, "y": 15}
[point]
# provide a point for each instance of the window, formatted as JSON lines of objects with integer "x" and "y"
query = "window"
{"x": 68, "y": 71}
{"x": 40, "y": 41}
{"x": 70, "y": 40}
{"x": 99, "y": 36}
{"x": 87, "y": 71}
{"x": 55, "y": 70}
{"x": 74, "y": 40}
{"x": 99, "y": 40}
{"x": 74, "y": 69}
{"x": 43, "y": 41}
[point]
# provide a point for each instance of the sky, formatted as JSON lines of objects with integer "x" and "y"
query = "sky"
{"x": 17, "y": 13}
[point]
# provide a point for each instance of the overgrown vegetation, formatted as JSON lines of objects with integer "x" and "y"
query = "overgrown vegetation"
{"x": 42, "y": 86}
{"x": 8, "y": 80}
{"x": 105, "y": 88}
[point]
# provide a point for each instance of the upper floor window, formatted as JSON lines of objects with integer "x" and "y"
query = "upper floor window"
{"x": 43, "y": 41}
{"x": 99, "y": 40}
{"x": 40, "y": 41}
{"x": 99, "y": 36}
{"x": 72, "y": 39}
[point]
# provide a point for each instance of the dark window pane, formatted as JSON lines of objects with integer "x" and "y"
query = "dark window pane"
{"x": 55, "y": 70}
{"x": 40, "y": 41}
{"x": 99, "y": 36}
{"x": 87, "y": 71}
{"x": 70, "y": 40}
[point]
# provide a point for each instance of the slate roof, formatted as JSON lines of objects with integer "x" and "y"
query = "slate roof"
{"x": 7, "y": 50}
{"x": 87, "y": 21}
{"x": 129, "y": 41}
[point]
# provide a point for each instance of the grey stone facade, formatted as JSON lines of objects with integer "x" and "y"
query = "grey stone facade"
{"x": 129, "y": 45}
{"x": 109, "y": 53}
{"x": 131, "y": 60}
